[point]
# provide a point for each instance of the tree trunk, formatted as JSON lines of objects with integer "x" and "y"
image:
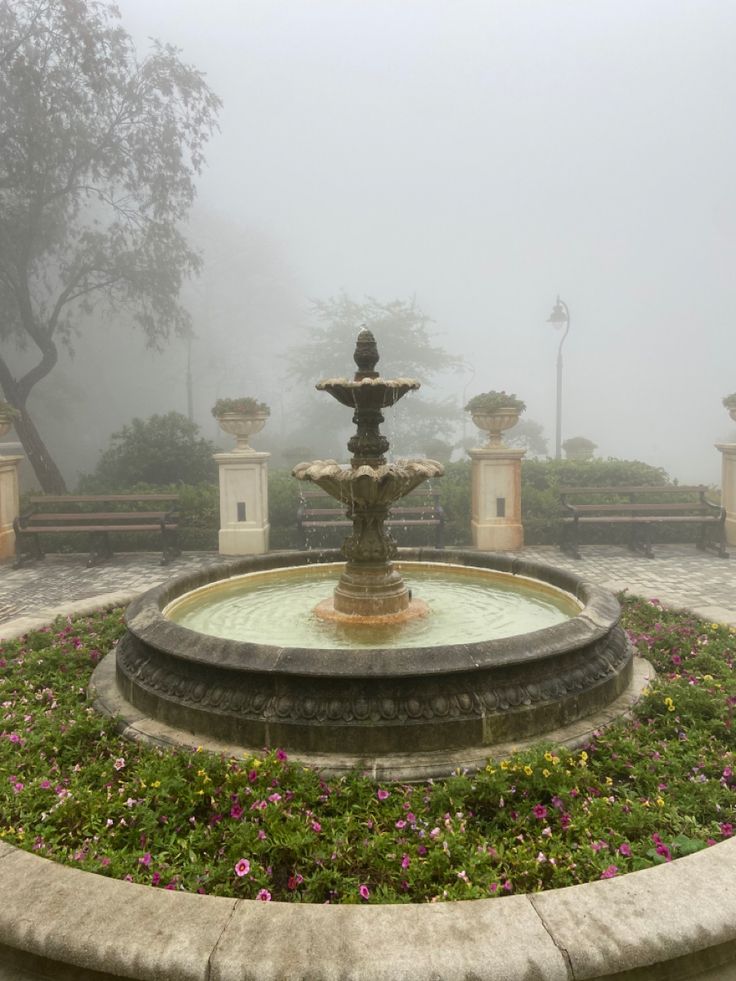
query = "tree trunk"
{"x": 48, "y": 474}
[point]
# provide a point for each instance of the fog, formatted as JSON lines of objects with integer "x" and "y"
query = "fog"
{"x": 482, "y": 157}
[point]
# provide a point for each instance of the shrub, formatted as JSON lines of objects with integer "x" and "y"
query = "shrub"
{"x": 493, "y": 401}
{"x": 246, "y": 406}
{"x": 161, "y": 450}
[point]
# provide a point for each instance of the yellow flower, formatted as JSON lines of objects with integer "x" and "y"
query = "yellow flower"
{"x": 504, "y": 764}
{"x": 546, "y": 773}
{"x": 609, "y": 782}
{"x": 660, "y": 802}
{"x": 707, "y": 677}
{"x": 528, "y": 770}
{"x": 670, "y": 704}
{"x": 156, "y": 783}
{"x": 490, "y": 769}
{"x": 583, "y": 756}
{"x": 548, "y": 757}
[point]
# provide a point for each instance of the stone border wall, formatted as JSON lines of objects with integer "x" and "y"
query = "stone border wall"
{"x": 674, "y": 921}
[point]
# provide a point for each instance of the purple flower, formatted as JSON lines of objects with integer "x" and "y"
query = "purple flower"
{"x": 610, "y": 872}
{"x": 539, "y": 811}
{"x": 236, "y": 812}
{"x": 264, "y": 895}
{"x": 405, "y": 861}
{"x": 364, "y": 891}
{"x": 316, "y": 827}
{"x": 625, "y": 849}
{"x": 242, "y": 867}
{"x": 382, "y": 794}
{"x": 281, "y": 755}
{"x": 726, "y": 829}
{"x": 145, "y": 859}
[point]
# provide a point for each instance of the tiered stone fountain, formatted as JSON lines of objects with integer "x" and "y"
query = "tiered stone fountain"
{"x": 372, "y": 677}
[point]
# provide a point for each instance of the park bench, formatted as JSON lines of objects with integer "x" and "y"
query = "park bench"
{"x": 318, "y": 513}
{"x": 98, "y": 516}
{"x": 639, "y": 510}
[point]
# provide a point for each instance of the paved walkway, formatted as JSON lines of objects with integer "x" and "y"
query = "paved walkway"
{"x": 679, "y": 576}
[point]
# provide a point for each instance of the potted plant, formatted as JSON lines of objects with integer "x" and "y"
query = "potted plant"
{"x": 730, "y": 402}
{"x": 241, "y": 418}
{"x": 579, "y": 448}
{"x": 493, "y": 412}
{"x": 8, "y": 415}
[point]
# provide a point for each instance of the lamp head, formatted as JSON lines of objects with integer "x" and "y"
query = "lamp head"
{"x": 559, "y": 315}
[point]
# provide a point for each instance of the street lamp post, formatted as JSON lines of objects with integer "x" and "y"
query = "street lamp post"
{"x": 560, "y": 316}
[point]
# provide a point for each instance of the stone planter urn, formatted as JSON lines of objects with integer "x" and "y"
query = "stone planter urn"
{"x": 241, "y": 418}
{"x": 494, "y": 423}
{"x": 242, "y": 426}
{"x": 493, "y": 412}
{"x": 729, "y": 403}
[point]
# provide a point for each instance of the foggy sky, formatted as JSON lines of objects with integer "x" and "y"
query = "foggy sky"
{"x": 485, "y": 156}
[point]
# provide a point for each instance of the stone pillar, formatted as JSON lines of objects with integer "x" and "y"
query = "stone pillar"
{"x": 496, "y": 499}
{"x": 9, "y": 503}
{"x": 728, "y": 488}
{"x": 244, "y": 525}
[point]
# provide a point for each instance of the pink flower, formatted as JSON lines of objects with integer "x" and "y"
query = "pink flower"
{"x": 264, "y": 895}
{"x": 236, "y": 812}
{"x": 316, "y": 826}
{"x": 275, "y": 798}
{"x": 405, "y": 861}
{"x": 664, "y": 851}
{"x": 609, "y": 873}
{"x": 382, "y": 794}
{"x": 539, "y": 811}
{"x": 155, "y": 878}
{"x": 625, "y": 849}
{"x": 364, "y": 891}
{"x": 726, "y": 829}
{"x": 119, "y": 763}
{"x": 145, "y": 859}
{"x": 242, "y": 867}
{"x": 281, "y": 755}
{"x": 400, "y": 824}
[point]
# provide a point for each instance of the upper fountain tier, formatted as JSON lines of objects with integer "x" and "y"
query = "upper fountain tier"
{"x": 367, "y": 393}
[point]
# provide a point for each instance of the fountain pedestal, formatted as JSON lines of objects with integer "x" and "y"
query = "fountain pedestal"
{"x": 496, "y": 499}
{"x": 728, "y": 488}
{"x": 9, "y": 503}
{"x": 244, "y": 525}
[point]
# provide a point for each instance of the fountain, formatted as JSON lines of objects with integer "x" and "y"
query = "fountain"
{"x": 399, "y": 673}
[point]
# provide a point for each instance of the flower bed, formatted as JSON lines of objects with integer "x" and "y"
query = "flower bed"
{"x": 265, "y": 828}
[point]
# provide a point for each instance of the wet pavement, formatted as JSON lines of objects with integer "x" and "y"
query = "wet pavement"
{"x": 679, "y": 576}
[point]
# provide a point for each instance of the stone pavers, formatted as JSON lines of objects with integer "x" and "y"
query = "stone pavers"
{"x": 679, "y": 576}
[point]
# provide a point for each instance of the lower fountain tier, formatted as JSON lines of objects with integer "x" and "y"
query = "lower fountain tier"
{"x": 363, "y": 703}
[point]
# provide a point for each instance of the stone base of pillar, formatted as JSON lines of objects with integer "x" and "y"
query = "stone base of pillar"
{"x": 9, "y": 503}
{"x": 244, "y": 526}
{"x": 496, "y": 499}
{"x": 728, "y": 488}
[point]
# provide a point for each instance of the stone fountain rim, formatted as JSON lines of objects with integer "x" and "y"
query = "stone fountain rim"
{"x": 599, "y": 614}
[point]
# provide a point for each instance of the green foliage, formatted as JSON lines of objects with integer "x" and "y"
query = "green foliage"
{"x": 246, "y": 406}
{"x": 643, "y": 792}
{"x": 283, "y": 502}
{"x": 730, "y": 401}
{"x": 7, "y": 411}
{"x": 493, "y": 401}
{"x": 159, "y": 451}
{"x": 100, "y": 153}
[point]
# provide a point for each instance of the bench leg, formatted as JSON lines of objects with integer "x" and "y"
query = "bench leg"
{"x": 718, "y": 546}
{"x": 169, "y": 546}
{"x": 641, "y": 540}
{"x": 569, "y": 540}
{"x": 25, "y": 554}
{"x": 99, "y": 548}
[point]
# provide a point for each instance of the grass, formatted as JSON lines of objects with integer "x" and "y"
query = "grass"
{"x": 265, "y": 827}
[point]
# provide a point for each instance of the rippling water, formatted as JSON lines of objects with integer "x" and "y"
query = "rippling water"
{"x": 466, "y": 605}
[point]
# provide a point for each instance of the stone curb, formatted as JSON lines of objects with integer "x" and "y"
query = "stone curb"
{"x": 672, "y": 921}
{"x": 676, "y": 920}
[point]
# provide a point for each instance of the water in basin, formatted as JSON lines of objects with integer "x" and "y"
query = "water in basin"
{"x": 466, "y": 605}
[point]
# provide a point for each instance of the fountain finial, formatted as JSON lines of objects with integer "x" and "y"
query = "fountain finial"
{"x": 366, "y": 355}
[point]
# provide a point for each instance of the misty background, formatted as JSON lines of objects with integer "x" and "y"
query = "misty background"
{"x": 480, "y": 158}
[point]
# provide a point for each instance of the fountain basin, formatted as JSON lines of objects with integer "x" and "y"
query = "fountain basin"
{"x": 415, "y": 707}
